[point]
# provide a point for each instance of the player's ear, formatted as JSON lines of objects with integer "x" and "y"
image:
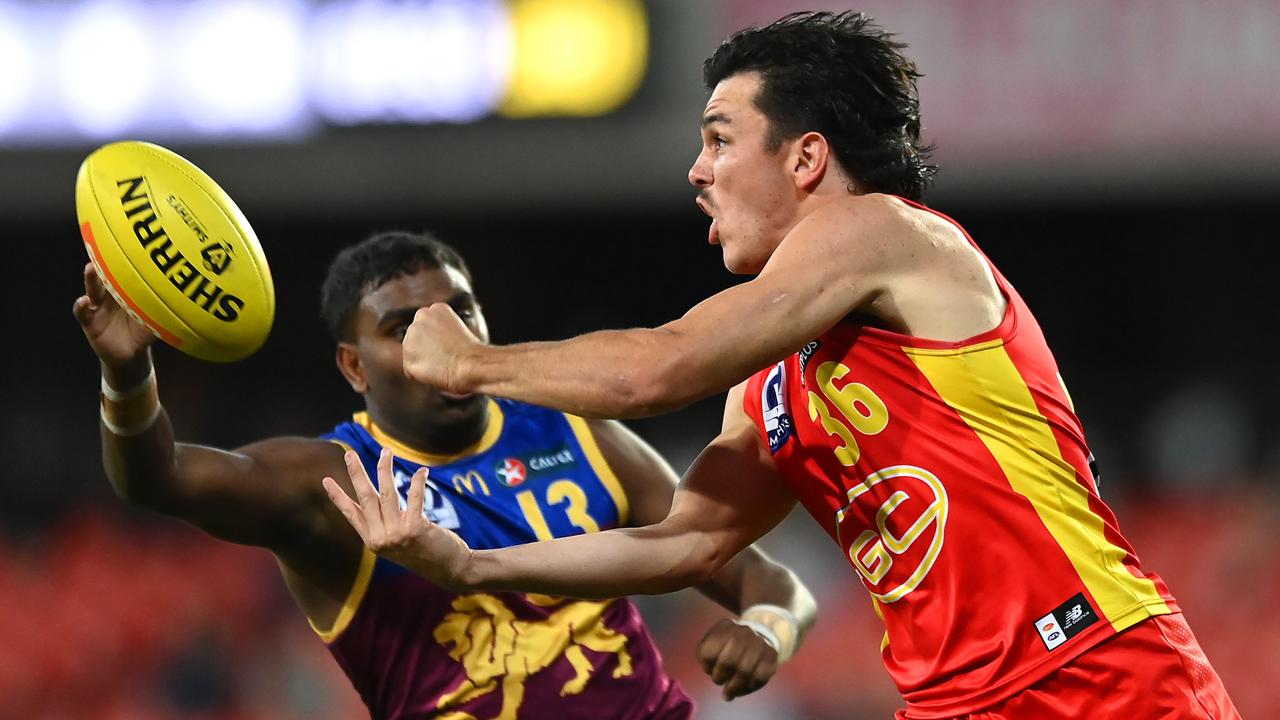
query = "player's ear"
{"x": 811, "y": 154}
{"x": 352, "y": 369}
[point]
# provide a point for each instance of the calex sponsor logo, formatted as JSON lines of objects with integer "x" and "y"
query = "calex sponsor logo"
{"x": 551, "y": 460}
{"x": 773, "y": 408}
{"x": 806, "y": 353}
{"x": 511, "y": 472}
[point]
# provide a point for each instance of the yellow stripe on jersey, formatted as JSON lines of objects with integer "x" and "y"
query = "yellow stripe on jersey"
{"x": 364, "y": 573}
{"x": 352, "y": 603}
{"x": 875, "y": 605}
{"x": 492, "y": 431}
{"x": 984, "y": 387}
{"x": 610, "y": 481}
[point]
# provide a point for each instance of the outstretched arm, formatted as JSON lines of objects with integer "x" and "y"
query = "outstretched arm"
{"x": 833, "y": 262}
{"x": 262, "y": 494}
{"x": 730, "y": 497}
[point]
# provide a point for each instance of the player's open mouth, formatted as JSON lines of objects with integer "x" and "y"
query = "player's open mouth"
{"x": 456, "y": 397}
{"x": 713, "y": 233}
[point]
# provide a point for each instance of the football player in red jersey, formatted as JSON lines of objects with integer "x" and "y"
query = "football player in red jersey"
{"x": 883, "y": 373}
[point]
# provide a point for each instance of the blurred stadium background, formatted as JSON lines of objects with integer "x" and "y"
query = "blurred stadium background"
{"x": 1120, "y": 161}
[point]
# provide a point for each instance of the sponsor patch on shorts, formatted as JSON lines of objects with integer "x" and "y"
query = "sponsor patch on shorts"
{"x": 1066, "y": 621}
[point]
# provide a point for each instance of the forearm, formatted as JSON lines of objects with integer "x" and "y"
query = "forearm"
{"x": 650, "y": 560}
{"x": 606, "y": 374}
{"x": 771, "y": 584}
{"x": 752, "y": 578}
{"x": 138, "y": 450}
{"x": 767, "y": 597}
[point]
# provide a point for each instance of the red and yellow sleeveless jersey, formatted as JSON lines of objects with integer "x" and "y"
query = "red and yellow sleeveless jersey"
{"x": 956, "y": 479}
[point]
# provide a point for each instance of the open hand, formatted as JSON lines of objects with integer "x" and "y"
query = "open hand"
{"x": 403, "y": 536}
{"x": 736, "y": 658}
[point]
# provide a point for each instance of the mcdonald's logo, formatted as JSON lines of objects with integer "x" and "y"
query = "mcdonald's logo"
{"x": 469, "y": 481}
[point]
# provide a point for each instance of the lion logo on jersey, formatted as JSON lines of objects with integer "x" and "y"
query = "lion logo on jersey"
{"x": 496, "y": 648}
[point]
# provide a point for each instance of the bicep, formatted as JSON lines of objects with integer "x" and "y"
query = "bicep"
{"x": 830, "y": 265}
{"x": 261, "y": 494}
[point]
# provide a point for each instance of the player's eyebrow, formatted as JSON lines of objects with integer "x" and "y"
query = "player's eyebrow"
{"x": 462, "y": 298}
{"x": 395, "y": 316}
{"x": 711, "y": 118}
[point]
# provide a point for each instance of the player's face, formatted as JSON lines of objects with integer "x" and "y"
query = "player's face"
{"x": 745, "y": 188}
{"x": 382, "y": 317}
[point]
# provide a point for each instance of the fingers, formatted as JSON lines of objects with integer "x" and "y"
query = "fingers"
{"x": 85, "y": 305}
{"x": 366, "y": 498}
{"x": 417, "y": 496}
{"x": 349, "y": 509}
{"x": 744, "y": 672}
{"x": 82, "y": 309}
{"x": 737, "y": 659}
{"x": 93, "y": 287}
{"x": 748, "y": 680}
{"x": 388, "y": 499}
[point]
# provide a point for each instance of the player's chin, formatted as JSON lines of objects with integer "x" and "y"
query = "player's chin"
{"x": 460, "y": 403}
{"x": 738, "y": 264}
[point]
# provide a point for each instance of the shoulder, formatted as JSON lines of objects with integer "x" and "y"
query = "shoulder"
{"x": 620, "y": 446}
{"x": 878, "y": 231}
{"x": 875, "y": 218}
{"x": 855, "y": 232}
{"x": 611, "y": 436}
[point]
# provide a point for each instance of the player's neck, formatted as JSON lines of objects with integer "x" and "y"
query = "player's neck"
{"x": 434, "y": 439}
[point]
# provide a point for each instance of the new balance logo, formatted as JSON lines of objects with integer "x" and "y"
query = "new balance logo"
{"x": 1066, "y": 621}
{"x": 1074, "y": 615}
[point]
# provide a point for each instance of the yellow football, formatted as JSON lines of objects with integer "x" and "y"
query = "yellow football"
{"x": 174, "y": 250}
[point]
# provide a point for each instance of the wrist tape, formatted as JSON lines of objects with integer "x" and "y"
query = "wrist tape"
{"x": 775, "y": 625}
{"x": 130, "y": 412}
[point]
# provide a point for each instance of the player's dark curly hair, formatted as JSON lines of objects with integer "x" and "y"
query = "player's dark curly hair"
{"x": 844, "y": 77}
{"x": 365, "y": 266}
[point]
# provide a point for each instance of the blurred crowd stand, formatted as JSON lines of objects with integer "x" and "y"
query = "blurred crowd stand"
{"x": 110, "y": 616}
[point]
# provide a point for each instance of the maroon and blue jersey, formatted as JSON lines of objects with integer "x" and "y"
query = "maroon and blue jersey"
{"x": 415, "y": 650}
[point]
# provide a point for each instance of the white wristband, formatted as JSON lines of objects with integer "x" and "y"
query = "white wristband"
{"x": 765, "y": 632}
{"x": 122, "y": 395}
{"x": 136, "y": 429}
{"x": 752, "y": 618}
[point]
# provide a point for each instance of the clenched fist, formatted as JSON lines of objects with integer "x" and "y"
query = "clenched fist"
{"x": 736, "y": 658}
{"x": 435, "y": 347}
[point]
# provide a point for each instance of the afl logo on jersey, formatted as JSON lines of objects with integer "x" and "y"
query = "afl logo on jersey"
{"x": 511, "y": 472}
{"x": 773, "y": 408}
